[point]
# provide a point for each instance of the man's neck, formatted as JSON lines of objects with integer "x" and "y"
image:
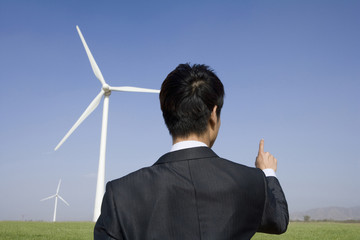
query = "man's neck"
{"x": 187, "y": 144}
{"x": 193, "y": 137}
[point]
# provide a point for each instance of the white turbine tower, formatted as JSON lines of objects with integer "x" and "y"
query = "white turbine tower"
{"x": 56, "y": 196}
{"x": 105, "y": 91}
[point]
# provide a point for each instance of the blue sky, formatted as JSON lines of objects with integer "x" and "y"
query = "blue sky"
{"x": 290, "y": 70}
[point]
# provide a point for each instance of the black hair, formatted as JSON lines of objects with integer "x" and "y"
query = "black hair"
{"x": 187, "y": 98}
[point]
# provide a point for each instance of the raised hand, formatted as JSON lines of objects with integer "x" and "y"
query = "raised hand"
{"x": 265, "y": 160}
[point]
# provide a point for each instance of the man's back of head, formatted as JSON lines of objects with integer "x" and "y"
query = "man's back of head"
{"x": 188, "y": 96}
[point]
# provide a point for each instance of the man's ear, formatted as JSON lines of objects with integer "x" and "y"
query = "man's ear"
{"x": 213, "y": 117}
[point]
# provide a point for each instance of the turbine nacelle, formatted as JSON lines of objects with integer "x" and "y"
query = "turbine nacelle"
{"x": 106, "y": 89}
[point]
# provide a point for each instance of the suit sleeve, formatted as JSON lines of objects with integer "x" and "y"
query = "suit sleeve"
{"x": 275, "y": 217}
{"x": 108, "y": 226}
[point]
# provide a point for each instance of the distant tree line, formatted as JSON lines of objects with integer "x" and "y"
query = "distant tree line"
{"x": 307, "y": 218}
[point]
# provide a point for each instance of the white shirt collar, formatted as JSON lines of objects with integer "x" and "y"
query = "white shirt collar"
{"x": 187, "y": 144}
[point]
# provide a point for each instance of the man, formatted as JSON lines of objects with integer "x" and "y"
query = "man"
{"x": 190, "y": 192}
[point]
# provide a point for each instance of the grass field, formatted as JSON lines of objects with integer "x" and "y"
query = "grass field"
{"x": 46, "y": 230}
{"x": 316, "y": 231}
{"x": 84, "y": 230}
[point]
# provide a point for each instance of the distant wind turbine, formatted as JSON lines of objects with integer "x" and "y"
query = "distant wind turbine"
{"x": 105, "y": 91}
{"x": 56, "y": 196}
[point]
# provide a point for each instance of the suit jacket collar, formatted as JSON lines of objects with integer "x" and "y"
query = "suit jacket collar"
{"x": 187, "y": 154}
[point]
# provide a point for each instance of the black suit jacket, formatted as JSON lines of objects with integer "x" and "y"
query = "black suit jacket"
{"x": 192, "y": 194}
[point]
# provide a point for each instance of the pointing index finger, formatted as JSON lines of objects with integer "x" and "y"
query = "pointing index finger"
{"x": 261, "y": 146}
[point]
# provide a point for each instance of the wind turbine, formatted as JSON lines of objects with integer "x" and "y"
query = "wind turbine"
{"x": 56, "y": 196}
{"x": 105, "y": 91}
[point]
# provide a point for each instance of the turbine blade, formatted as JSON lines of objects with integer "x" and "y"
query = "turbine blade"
{"x": 63, "y": 200}
{"x": 48, "y": 198}
{"x": 134, "y": 89}
{"x": 87, "y": 112}
{"x": 94, "y": 66}
{"x": 58, "y": 187}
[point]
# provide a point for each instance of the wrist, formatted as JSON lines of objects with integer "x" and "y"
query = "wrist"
{"x": 269, "y": 172}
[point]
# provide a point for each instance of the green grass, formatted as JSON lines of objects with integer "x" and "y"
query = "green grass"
{"x": 84, "y": 230}
{"x": 316, "y": 231}
{"x": 46, "y": 230}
